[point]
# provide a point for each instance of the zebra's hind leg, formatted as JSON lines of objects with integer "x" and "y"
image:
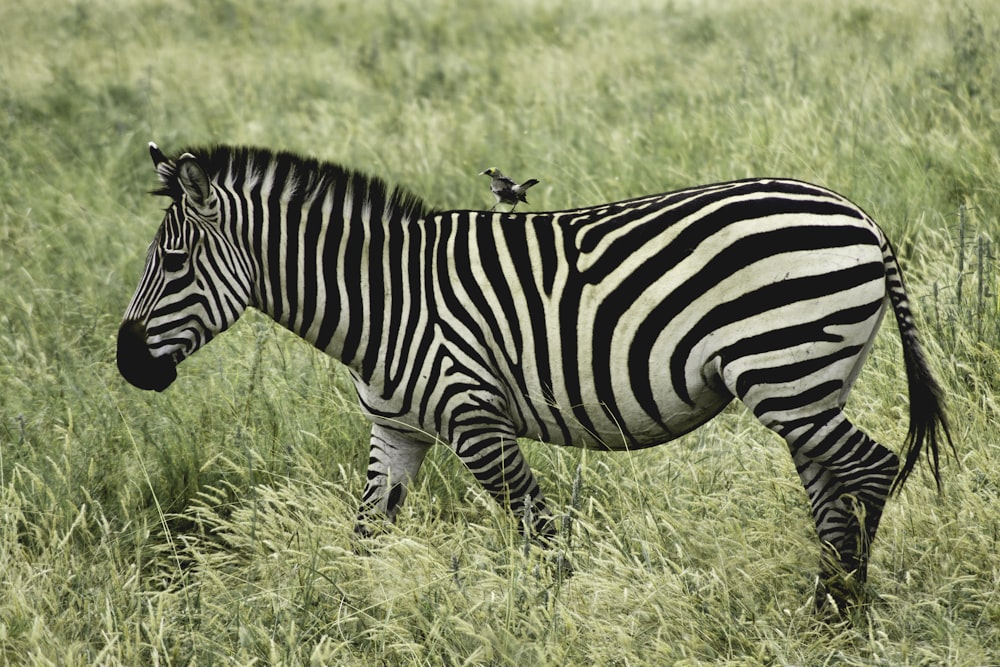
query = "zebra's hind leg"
{"x": 393, "y": 462}
{"x": 847, "y": 477}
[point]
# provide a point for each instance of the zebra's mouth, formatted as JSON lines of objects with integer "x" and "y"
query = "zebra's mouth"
{"x": 140, "y": 368}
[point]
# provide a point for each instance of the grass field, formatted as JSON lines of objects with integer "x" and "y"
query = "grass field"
{"x": 211, "y": 524}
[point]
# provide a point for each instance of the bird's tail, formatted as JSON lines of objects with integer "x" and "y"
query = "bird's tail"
{"x": 527, "y": 184}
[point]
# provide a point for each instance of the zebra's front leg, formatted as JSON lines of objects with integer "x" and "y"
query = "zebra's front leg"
{"x": 393, "y": 462}
{"x": 497, "y": 463}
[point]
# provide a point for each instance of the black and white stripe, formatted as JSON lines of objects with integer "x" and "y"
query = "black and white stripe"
{"x": 618, "y": 326}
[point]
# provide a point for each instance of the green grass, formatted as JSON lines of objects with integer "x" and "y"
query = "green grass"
{"x": 212, "y": 523}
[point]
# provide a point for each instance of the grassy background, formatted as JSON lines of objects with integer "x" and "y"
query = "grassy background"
{"x": 212, "y": 523}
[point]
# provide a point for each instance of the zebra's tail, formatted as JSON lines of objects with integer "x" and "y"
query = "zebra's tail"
{"x": 928, "y": 422}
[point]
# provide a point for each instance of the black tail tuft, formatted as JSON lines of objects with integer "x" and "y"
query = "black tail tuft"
{"x": 928, "y": 422}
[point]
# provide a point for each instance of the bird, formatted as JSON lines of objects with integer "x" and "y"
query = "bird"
{"x": 505, "y": 189}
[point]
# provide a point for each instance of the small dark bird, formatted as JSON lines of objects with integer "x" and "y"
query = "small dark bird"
{"x": 505, "y": 189}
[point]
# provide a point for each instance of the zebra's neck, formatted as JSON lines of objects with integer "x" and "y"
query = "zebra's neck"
{"x": 322, "y": 239}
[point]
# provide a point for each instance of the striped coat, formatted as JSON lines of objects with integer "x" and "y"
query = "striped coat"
{"x": 618, "y": 326}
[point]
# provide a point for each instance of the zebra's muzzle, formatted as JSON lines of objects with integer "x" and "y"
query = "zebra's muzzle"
{"x": 137, "y": 365}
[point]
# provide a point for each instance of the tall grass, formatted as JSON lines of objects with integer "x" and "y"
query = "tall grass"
{"x": 212, "y": 523}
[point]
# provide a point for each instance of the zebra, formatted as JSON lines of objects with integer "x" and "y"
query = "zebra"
{"x": 615, "y": 327}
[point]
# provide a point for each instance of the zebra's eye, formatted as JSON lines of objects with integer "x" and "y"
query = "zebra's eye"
{"x": 174, "y": 260}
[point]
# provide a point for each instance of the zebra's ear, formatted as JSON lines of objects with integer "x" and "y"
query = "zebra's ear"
{"x": 165, "y": 169}
{"x": 156, "y": 154}
{"x": 194, "y": 181}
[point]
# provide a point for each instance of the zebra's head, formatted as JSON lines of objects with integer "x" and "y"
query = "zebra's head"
{"x": 196, "y": 282}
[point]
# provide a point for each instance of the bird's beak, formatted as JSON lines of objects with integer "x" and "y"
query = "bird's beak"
{"x": 484, "y": 172}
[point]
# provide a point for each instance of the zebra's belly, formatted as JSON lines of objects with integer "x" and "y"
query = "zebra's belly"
{"x": 622, "y": 429}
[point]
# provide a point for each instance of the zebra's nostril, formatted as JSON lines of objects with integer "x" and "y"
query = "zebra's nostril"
{"x": 137, "y": 365}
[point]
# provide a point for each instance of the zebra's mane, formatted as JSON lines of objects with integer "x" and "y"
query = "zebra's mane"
{"x": 247, "y": 165}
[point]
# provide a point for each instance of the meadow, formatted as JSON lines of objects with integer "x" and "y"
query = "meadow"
{"x": 212, "y": 523}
